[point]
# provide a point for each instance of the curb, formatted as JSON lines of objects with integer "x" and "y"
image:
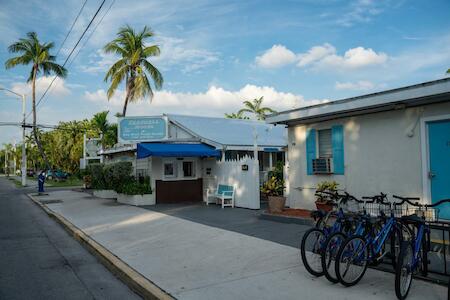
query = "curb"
{"x": 285, "y": 219}
{"x": 132, "y": 278}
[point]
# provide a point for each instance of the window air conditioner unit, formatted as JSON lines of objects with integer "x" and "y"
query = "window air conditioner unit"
{"x": 322, "y": 166}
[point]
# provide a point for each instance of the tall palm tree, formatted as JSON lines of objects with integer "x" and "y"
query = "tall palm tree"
{"x": 133, "y": 65}
{"x": 255, "y": 107}
{"x": 33, "y": 52}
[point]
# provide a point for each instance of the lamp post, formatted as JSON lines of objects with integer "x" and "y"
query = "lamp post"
{"x": 24, "y": 154}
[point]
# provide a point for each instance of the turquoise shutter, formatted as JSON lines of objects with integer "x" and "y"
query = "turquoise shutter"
{"x": 310, "y": 150}
{"x": 337, "y": 136}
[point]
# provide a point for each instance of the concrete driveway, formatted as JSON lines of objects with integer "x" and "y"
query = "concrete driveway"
{"x": 209, "y": 260}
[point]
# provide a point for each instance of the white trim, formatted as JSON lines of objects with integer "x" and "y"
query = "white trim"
{"x": 426, "y": 186}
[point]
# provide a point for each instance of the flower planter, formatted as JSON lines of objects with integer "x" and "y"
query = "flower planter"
{"x": 276, "y": 204}
{"x": 137, "y": 200}
{"x": 324, "y": 206}
{"x": 105, "y": 194}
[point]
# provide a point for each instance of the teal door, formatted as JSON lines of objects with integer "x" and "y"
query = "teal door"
{"x": 439, "y": 174}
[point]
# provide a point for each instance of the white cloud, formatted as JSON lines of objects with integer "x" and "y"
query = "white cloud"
{"x": 321, "y": 56}
{"x": 355, "y": 58}
{"x": 214, "y": 102}
{"x": 362, "y": 85}
{"x": 275, "y": 57}
{"x": 59, "y": 87}
{"x": 362, "y": 11}
{"x": 315, "y": 54}
{"x": 175, "y": 52}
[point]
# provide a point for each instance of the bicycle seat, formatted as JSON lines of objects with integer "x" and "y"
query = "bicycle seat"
{"x": 413, "y": 219}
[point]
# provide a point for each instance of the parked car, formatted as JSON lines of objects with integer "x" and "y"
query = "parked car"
{"x": 56, "y": 174}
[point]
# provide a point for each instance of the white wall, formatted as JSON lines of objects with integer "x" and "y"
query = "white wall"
{"x": 379, "y": 155}
{"x": 246, "y": 183}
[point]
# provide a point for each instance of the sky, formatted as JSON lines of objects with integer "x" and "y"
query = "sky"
{"x": 216, "y": 54}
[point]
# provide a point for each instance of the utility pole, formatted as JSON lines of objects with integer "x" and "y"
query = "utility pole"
{"x": 24, "y": 153}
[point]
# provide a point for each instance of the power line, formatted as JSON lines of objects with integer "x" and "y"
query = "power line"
{"x": 92, "y": 33}
{"x": 70, "y": 54}
{"x": 71, "y": 27}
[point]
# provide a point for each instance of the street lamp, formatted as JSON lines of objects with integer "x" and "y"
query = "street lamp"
{"x": 24, "y": 154}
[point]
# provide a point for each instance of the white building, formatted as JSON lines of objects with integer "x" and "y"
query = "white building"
{"x": 186, "y": 155}
{"x": 395, "y": 141}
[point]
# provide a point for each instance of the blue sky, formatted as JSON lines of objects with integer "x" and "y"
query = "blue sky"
{"x": 215, "y": 54}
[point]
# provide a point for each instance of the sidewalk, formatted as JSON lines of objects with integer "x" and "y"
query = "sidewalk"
{"x": 190, "y": 260}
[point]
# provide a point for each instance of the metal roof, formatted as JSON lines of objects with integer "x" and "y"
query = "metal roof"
{"x": 409, "y": 96}
{"x": 232, "y": 132}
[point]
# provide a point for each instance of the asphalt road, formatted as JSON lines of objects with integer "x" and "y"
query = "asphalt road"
{"x": 39, "y": 260}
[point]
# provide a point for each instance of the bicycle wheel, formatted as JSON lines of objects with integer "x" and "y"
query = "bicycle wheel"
{"x": 310, "y": 250}
{"x": 352, "y": 261}
{"x": 395, "y": 240}
{"x": 403, "y": 272}
{"x": 329, "y": 253}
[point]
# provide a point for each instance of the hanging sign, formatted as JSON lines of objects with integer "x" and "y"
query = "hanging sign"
{"x": 141, "y": 129}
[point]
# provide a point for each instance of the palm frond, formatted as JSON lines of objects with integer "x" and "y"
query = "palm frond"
{"x": 154, "y": 74}
{"x": 49, "y": 67}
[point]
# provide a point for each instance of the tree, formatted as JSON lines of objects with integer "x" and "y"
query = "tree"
{"x": 38, "y": 55}
{"x": 255, "y": 107}
{"x": 133, "y": 65}
{"x": 238, "y": 115}
{"x": 108, "y": 131}
{"x": 448, "y": 71}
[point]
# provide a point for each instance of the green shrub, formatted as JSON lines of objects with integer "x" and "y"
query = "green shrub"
{"x": 278, "y": 171}
{"x": 121, "y": 175}
{"x": 108, "y": 176}
{"x": 273, "y": 187}
{"x": 136, "y": 188}
{"x": 97, "y": 178}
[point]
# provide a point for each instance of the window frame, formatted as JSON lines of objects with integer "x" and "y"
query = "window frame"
{"x": 174, "y": 169}
{"x": 194, "y": 173}
{"x": 318, "y": 143}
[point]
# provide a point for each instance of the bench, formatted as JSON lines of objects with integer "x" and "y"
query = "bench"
{"x": 223, "y": 192}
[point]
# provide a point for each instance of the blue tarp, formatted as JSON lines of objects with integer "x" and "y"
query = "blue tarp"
{"x": 176, "y": 150}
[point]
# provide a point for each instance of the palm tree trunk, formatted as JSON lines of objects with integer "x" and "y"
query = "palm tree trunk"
{"x": 35, "y": 132}
{"x": 127, "y": 97}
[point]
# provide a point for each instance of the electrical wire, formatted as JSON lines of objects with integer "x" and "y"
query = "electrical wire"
{"x": 71, "y": 28}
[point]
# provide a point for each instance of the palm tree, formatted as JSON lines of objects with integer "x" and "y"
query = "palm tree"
{"x": 133, "y": 65}
{"x": 255, "y": 108}
{"x": 238, "y": 115}
{"x": 38, "y": 55}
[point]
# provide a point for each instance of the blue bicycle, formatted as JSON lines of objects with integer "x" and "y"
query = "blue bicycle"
{"x": 414, "y": 253}
{"x": 358, "y": 251}
{"x": 312, "y": 243}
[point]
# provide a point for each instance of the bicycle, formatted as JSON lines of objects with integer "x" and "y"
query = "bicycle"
{"x": 335, "y": 240}
{"x": 313, "y": 240}
{"x": 358, "y": 251}
{"x": 414, "y": 253}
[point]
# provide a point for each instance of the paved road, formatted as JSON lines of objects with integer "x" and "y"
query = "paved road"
{"x": 39, "y": 260}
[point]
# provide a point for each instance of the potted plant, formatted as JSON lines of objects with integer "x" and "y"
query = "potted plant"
{"x": 323, "y": 201}
{"x": 136, "y": 193}
{"x": 87, "y": 181}
{"x": 273, "y": 189}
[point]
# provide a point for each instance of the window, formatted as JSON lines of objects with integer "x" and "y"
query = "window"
{"x": 188, "y": 169}
{"x": 169, "y": 169}
{"x": 325, "y": 143}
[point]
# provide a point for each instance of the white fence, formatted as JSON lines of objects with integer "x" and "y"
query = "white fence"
{"x": 243, "y": 174}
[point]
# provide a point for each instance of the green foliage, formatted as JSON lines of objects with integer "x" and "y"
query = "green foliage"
{"x": 133, "y": 65}
{"x": 238, "y": 115}
{"x": 97, "y": 176}
{"x": 273, "y": 187}
{"x": 108, "y": 176}
{"x": 326, "y": 186}
{"x": 255, "y": 107}
{"x": 137, "y": 188}
{"x": 329, "y": 186}
{"x": 278, "y": 171}
{"x": 122, "y": 175}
